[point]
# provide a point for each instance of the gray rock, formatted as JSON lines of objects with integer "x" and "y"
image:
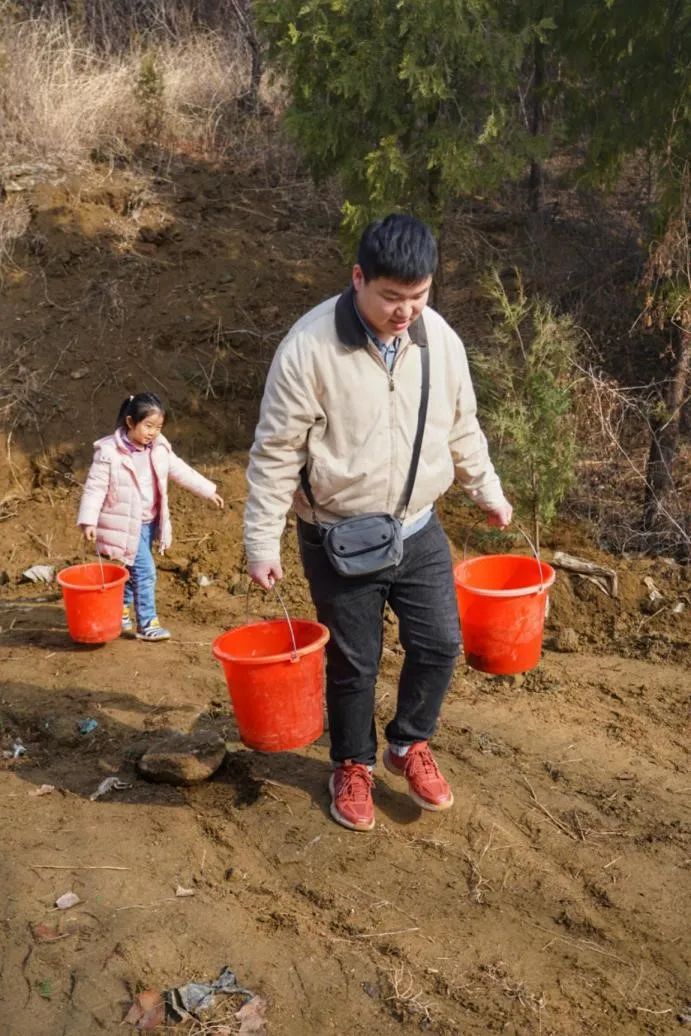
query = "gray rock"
{"x": 183, "y": 758}
{"x": 567, "y": 640}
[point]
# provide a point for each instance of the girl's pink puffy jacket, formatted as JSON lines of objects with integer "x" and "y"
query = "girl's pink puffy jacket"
{"x": 112, "y": 500}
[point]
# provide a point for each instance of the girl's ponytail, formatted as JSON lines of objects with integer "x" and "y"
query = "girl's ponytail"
{"x": 138, "y": 407}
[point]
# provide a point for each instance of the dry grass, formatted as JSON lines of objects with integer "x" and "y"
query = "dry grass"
{"x": 64, "y": 101}
{"x": 15, "y": 217}
{"x": 408, "y": 998}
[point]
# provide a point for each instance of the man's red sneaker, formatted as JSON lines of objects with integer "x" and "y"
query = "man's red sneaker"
{"x": 351, "y": 796}
{"x": 426, "y": 786}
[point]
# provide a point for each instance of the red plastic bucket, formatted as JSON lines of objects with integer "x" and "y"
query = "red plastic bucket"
{"x": 502, "y": 600}
{"x": 276, "y": 686}
{"x": 93, "y": 596}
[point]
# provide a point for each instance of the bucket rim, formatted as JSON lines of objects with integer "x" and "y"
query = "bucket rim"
{"x": 520, "y": 591}
{"x": 106, "y": 585}
{"x": 283, "y": 656}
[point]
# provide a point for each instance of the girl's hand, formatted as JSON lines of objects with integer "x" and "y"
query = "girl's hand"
{"x": 217, "y": 500}
{"x": 89, "y": 532}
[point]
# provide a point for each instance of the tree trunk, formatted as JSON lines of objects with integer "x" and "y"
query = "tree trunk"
{"x": 536, "y": 179}
{"x": 436, "y": 206}
{"x": 438, "y": 283}
{"x": 245, "y": 20}
{"x": 665, "y": 432}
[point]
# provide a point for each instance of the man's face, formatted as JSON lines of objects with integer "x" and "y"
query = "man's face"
{"x": 387, "y": 306}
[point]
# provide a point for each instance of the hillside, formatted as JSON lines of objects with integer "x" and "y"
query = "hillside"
{"x": 547, "y": 901}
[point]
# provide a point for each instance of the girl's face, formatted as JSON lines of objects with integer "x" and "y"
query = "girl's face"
{"x": 146, "y": 430}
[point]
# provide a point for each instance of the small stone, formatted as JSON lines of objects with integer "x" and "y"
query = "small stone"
{"x": 183, "y": 758}
{"x": 567, "y": 640}
{"x": 39, "y": 574}
{"x": 67, "y": 900}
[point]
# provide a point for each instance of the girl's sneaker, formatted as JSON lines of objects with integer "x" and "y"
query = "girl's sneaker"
{"x": 127, "y": 624}
{"x": 154, "y": 631}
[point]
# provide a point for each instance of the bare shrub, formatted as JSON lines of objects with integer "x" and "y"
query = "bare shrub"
{"x": 203, "y": 80}
{"x": 111, "y": 25}
{"x": 611, "y": 484}
{"x": 63, "y": 100}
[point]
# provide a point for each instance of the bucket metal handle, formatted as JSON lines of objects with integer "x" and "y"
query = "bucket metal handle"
{"x": 532, "y": 546}
{"x": 294, "y": 656}
{"x": 523, "y": 533}
{"x": 100, "y": 562}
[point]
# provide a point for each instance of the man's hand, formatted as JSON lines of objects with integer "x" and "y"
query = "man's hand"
{"x": 217, "y": 500}
{"x": 500, "y": 517}
{"x": 89, "y": 532}
{"x": 265, "y": 573}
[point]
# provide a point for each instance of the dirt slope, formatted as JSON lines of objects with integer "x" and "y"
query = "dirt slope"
{"x": 549, "y": 900}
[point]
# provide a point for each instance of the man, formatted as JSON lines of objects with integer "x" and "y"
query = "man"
{"x": 341, "y": 401}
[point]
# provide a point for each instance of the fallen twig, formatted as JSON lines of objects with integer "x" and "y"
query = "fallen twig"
{"x": 602, "y": 577}
{"x": 584, "y": 944}
{"x": 75, "y": 867}
{"x": 648, "y": 618}
{"x": 379, "y": 935}
{"x": 148, "y": 906}
{"x": 543, "y": 809}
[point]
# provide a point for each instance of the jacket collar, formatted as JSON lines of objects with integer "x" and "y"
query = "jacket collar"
{"x": 350, "y": 330}
{"x": 123, "y": 450}
{"x": 125, "y": 446}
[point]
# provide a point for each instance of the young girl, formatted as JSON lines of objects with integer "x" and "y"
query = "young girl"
{"x": 124, "y": 506}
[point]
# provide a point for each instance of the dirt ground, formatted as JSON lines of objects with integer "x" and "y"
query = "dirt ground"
{"x": 549, "y": 900}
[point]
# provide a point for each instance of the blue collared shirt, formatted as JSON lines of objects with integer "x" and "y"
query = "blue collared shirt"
{"x": 388, "y": 350}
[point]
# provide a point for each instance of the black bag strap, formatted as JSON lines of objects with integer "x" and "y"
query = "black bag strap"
{"x": 417, "y": 444}
{"x": 421, "y": 418}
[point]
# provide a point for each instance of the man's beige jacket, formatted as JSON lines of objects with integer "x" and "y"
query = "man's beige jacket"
{"x": 331, "y": 404}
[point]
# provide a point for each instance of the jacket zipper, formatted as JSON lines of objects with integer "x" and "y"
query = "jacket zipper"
{"x": 378, "y": 358}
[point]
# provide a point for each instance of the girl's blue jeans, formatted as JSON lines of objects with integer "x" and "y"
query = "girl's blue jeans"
{"x": 140, "y": 588}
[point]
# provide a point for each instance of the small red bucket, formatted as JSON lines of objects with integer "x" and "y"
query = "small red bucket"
{"x": 502, "y": 600}
{"x": 93, "y": 596}
{"x": 275, "y": 676}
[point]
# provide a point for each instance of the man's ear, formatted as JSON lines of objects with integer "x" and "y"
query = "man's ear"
{"x": 358, "y": 277}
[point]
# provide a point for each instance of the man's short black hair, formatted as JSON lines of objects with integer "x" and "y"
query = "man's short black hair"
{"x": 400, "y": 247}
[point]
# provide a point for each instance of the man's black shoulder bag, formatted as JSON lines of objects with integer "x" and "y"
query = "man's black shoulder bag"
{"x": 371, "y": 542}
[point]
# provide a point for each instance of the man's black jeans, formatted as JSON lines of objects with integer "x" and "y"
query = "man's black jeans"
{"x": 420, "y": 591}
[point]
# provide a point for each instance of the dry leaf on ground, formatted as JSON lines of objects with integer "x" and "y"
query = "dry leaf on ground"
{"x": 147, "y": 1012}
{"x": 252, "y": 1017}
